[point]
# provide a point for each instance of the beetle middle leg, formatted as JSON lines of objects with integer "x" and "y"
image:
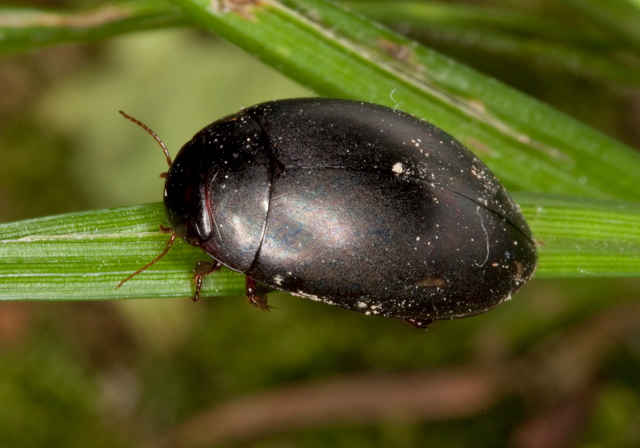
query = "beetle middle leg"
{"x": 257, "y": 295}
{"x": 201, "y": 269}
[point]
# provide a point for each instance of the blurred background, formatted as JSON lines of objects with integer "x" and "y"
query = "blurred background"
{"x": 555, "y": 367}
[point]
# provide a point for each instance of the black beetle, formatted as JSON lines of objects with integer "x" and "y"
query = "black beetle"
{"x": 352, "y": 204}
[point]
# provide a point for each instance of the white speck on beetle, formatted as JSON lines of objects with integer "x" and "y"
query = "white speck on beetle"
{"x": 307, "y": 296}
{"x": 398, "y": 168}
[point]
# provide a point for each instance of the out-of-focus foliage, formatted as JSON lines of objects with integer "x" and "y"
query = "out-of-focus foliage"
{"x": 132, "y": 373}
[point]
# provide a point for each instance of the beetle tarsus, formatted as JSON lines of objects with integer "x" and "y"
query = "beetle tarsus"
{"x": 260, "y": 302}
{"x": 256, "y": 295}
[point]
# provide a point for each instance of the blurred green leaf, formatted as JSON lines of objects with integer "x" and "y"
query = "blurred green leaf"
{"x": 620, "y": 18}
{"x": 24, "y": 29}
{"x": 97, "y": 373}
{"x": 510, "y": 33}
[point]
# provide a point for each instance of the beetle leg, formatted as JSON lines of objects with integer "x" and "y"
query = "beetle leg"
{"x": 422, "y": 324}
{"x": 201, "y": 269}
{"x": 256, "y": 295}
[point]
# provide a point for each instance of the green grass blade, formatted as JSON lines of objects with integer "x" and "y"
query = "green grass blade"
{"x": 499, "y": 30}
{"x": 503, "y": 32}
{"x": 83, "y": 256}
{"x": 529, "y": 145}
{"x": 580, "y": 237}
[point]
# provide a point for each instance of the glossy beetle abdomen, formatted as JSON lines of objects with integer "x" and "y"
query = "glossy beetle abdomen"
{"x": 385, "y": 245}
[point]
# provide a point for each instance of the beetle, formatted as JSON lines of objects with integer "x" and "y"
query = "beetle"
{"x": 349, "y": 203}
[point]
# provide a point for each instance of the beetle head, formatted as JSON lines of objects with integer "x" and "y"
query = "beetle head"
{"x": 187, "y": 203}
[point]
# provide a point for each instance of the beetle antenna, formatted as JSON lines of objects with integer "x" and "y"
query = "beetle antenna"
{"x": 151, "y": 133}
{"x": 154, "y": 261}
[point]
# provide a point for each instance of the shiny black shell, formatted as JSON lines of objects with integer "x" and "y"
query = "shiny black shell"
{"x": 352, "y": 204}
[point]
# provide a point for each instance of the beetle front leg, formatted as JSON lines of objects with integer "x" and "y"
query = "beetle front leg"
{"x": 257, "y": 295}
{"x": 201, "y": 269}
